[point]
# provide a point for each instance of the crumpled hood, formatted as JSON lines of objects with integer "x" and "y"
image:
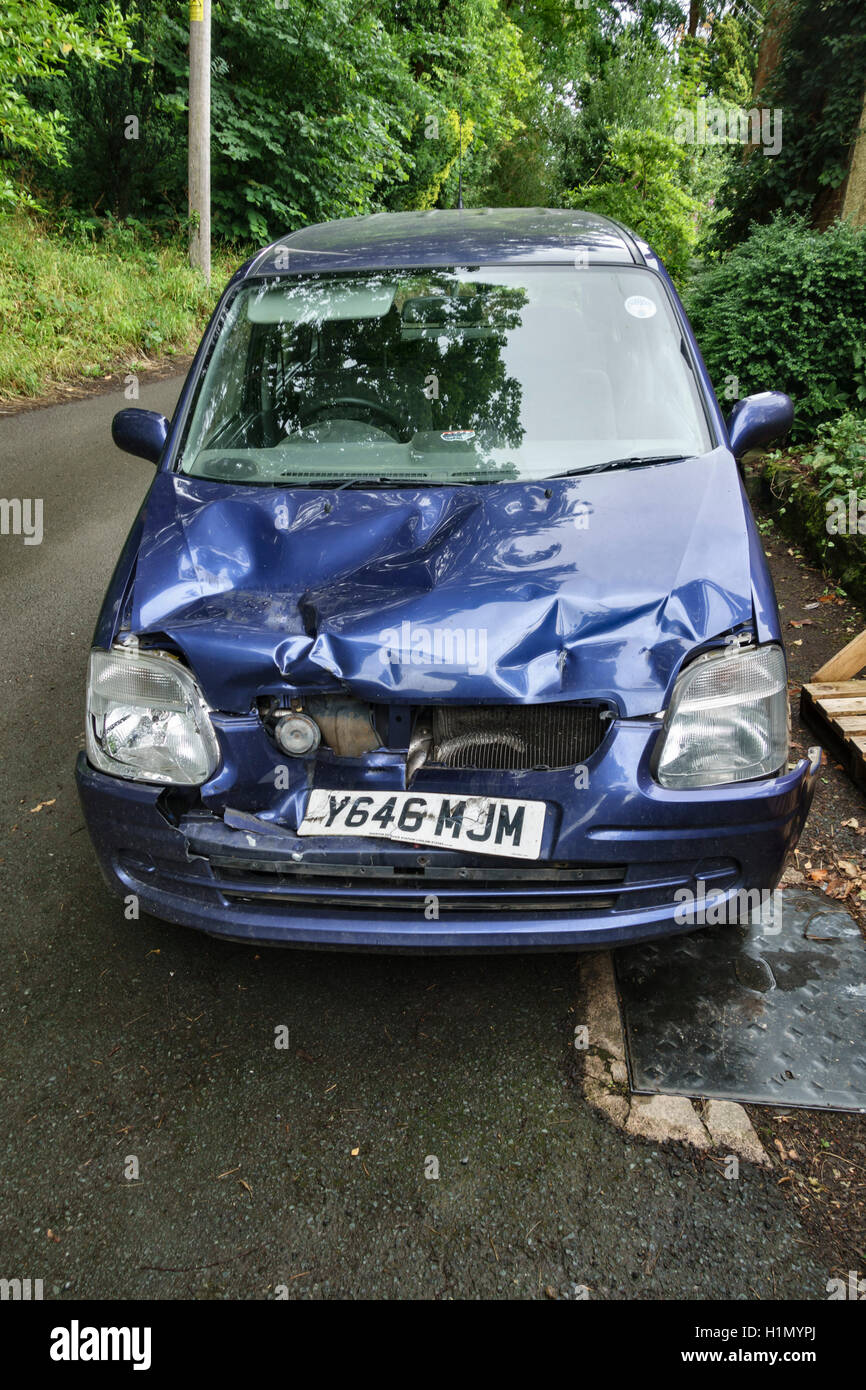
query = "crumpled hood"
{"x": 582, "y": 587}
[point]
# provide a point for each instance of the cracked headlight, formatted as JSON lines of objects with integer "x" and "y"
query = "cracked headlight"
{"x": 727, "y": 720}
{"x": 147, "y": 719}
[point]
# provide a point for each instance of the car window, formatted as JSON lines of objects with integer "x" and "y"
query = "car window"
{"x": 456, "y": 375}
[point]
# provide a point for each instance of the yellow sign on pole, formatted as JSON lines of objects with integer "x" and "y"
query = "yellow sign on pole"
{"x": 196, "y": 9}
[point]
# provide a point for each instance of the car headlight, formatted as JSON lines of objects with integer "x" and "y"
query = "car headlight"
{"x": 727, "y": 721}
{"x": 147, "y": 719}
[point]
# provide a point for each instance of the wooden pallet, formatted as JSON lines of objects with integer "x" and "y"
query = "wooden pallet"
{"x": 834, "y": 706}
{"x": 836, "y": 711}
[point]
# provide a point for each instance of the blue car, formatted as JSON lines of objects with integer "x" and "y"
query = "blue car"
{"x": 445, "y": 623}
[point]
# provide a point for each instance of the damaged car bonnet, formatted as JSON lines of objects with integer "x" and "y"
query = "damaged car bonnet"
{"x": 594, "y": 586}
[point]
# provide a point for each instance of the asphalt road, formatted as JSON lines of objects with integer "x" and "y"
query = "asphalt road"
{"x": 301, "y": 1167}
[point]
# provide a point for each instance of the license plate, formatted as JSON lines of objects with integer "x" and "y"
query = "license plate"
{"x": 477, "y": 824}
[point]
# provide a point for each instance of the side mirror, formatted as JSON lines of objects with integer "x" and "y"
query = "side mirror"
{"x": 140, "y": 432}
{"x": 758, "y": 420}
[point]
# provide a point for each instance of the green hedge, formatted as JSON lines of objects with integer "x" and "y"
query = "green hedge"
{"x": 786, "y": 310}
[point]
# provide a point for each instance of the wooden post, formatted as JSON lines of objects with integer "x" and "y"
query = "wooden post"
{"x": 199, "y": 134}
{"x": 846, "y": 663}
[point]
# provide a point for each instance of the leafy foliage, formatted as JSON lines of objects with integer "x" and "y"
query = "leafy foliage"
{"x": 323, "y": 148}
{"x": 809, "y": 491}
{"x": 616, "y": 155}
{"x": 838, "y": 456}
{"x": 319, "y": 109}
{"x": 104, "y": 170}
{"x": 785, "y": 310}
{"x": 818, "y": 86}
{"x": 36, "y": 41}
{"x": 328, "y": 108}
{"x": 470, "y": 71}
{"x": 645, "y": 194}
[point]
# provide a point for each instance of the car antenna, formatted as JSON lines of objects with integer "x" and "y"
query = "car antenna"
{"x": 460, "y": 157}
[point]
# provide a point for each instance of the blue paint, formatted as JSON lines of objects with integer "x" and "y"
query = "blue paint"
{"x": 280, "y": 591}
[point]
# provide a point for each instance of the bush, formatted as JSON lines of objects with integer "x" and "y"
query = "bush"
{"x": 838, "y": 457}
{"x": 785, "y": 311}
{"x": 812, "y": 492}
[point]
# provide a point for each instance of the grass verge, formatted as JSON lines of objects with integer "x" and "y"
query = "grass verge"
{"x": 75, "y": 309}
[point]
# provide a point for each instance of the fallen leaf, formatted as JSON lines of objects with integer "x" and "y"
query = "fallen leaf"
{"x": 838, "y": 889}
{"x": 792, "y": 876}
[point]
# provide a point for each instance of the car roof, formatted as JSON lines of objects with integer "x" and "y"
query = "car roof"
{"x": 441, "y": 237}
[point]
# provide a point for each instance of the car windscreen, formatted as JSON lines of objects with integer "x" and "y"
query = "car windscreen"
{"x": 480, "y": 375}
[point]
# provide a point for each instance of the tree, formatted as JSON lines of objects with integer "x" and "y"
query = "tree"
{"x": 644, "y": 189}
{"x": 813, "y": 72}
{"x": 37, "y": 39}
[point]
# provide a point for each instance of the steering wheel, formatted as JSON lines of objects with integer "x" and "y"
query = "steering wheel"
{"x": 389, "y": 418}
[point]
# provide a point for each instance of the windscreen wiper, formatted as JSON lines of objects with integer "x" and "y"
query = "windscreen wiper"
{"x": 632, "y": 461}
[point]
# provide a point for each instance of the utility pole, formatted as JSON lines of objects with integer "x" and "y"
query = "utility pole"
{"x": 199, "y": 135}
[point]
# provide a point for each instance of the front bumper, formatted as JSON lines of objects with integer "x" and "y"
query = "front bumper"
{"x": 614, "y": 856}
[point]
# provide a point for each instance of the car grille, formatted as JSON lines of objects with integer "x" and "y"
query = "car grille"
{"x": 513, "y": 738}
{"x": 397, "y": 880}
{"x": 571, "y": 888}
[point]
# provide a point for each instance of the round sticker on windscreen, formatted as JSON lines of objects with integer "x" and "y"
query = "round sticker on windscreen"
{"x": 457, "y": 436}
{"x": 639, "y": 306}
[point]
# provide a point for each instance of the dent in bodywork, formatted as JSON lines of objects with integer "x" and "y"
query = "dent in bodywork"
{"x": 590, "y": 587}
